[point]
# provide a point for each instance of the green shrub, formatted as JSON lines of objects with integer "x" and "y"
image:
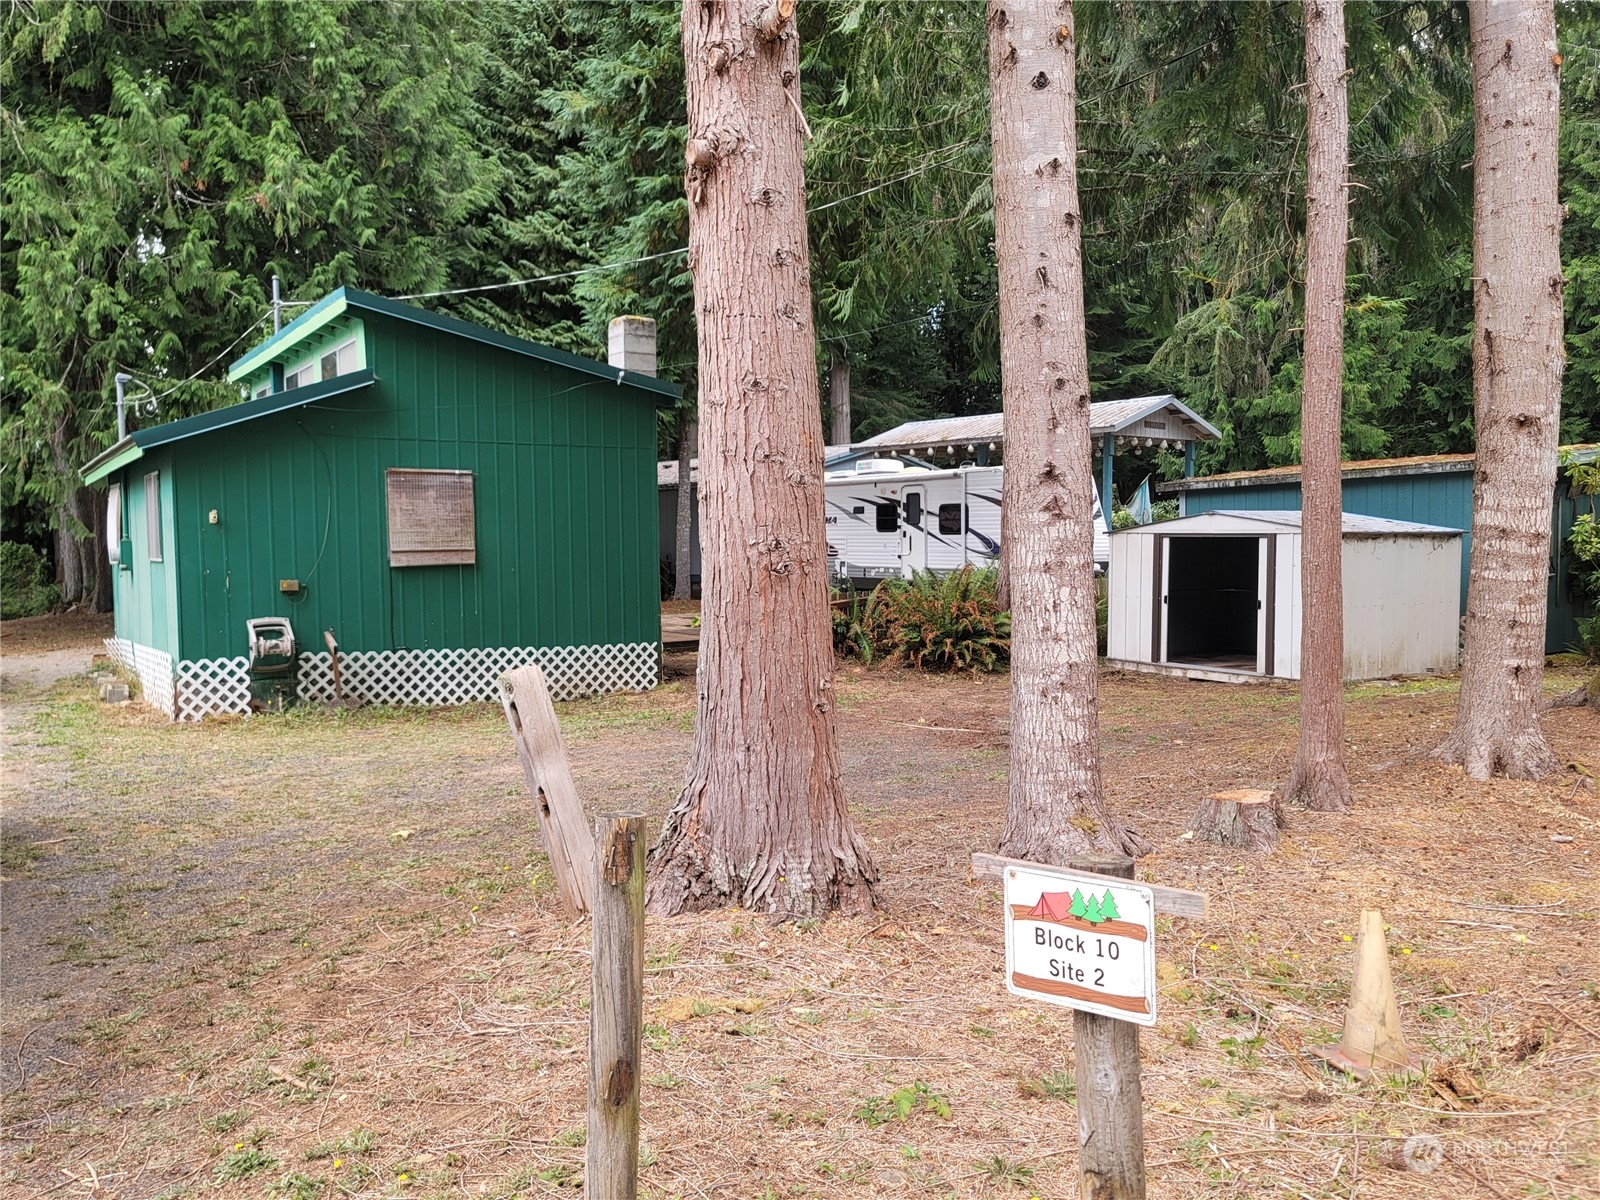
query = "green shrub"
{"x": 940, "y": 622}
{"x": 25, "y": 590}
{"x": 861, "y": 621}
{"x": 1102, "y": 614}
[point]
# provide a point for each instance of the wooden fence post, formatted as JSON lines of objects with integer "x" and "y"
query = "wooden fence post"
{"x": 1110, "y": 1099}
{"x": 534, "y": 729}
{"x": 616, "y": 1004}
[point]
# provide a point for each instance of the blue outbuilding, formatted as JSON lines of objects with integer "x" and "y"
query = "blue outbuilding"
{"x": 1434, "y": 489}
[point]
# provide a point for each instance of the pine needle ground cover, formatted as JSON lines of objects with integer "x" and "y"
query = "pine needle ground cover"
{"x": 321, "y": 956}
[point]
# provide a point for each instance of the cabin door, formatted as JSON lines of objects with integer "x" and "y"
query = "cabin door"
{"x": 913, "y": 531}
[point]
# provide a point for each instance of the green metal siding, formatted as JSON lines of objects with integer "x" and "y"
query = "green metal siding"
{"x": 145, "y": 595}
{"x": 1432, "y": 498}
{"x": 563, "y": 467}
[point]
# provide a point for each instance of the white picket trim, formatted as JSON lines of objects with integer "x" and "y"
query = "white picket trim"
{"x": 198, "y": 688}
{"x": 152, "y": 668}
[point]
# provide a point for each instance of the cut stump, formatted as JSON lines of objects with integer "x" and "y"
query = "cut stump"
{"x": 1246, "y": 818}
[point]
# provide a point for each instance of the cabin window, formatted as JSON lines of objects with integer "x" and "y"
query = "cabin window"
{"x": 263, "y": 392}
{"x": 888, "y": 516}
{"x": 295, "y": 379}
{"x": 114, "y": 523}
{"x": 341, "y": 360}
{"x": 949, "y": 518}
{"x": 914, "y": 509}
{"x": 152, "y": 514}
{"x": 431, "y": 518}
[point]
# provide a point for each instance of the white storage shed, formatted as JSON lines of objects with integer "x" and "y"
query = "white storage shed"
{"x": 1217, "y": 596}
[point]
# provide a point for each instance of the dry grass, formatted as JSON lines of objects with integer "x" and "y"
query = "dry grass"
{"x": 56, "y": 631}
{"x": 320, "y": 954}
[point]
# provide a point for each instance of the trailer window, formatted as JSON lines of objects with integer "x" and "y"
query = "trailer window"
{"x": 888, "y": 515}
{"x": 914, "y": 509}
{"x": 949, "y": 518}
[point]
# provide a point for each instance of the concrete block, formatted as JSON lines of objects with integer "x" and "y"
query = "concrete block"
{"x": 113, "y": 691}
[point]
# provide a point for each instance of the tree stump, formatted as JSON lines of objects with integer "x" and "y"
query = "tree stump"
{"x": 1247, "y": 818}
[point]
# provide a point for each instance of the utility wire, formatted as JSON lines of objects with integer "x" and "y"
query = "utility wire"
{"x": 941, "y": 159}
{"x": 156, "y": 398}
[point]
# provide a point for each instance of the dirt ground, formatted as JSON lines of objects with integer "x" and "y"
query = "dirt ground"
{"x": 320, "y": 955}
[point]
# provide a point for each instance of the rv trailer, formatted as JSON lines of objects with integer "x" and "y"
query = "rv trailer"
{"x": 887, "y": 518}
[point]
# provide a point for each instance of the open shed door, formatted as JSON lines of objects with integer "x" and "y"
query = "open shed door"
{"x": 1213, "y": 607}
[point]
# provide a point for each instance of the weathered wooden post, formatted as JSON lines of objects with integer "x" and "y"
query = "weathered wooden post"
{"x": 1081, "y": 937}
{"x": 616, "y": 1003}
{"x": 1110, "y": 1098}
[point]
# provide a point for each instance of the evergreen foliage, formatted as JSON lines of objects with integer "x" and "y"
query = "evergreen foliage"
{"x": 165, "y": 159}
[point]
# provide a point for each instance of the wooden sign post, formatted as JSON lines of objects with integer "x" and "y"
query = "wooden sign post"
{"x": 1083, "y": 938}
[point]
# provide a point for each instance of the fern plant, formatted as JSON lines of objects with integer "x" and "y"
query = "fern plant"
{"x": 945, "y": 622}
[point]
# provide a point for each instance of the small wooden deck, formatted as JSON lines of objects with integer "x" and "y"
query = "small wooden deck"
{"x": 679, "y": 633}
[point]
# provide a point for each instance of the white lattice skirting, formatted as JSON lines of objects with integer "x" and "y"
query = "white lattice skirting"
{"x": 152, "y": 667}
{"x": 210, "y": 687}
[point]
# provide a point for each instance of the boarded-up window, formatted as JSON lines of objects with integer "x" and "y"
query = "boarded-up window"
{"x": 152, "y": 514}
{"x": 430, "y": 518}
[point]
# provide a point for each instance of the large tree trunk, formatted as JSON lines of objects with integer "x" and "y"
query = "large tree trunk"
{"x": 839, "y": 396}
{"x": 683, "y": 540}
{"x": 1516, "y": 376}
{"x": 1318, "y": 779}
{"x": 69, "y": 559}
{"x": 762, "y": 820}
{"x": 102, "y": 594}
{"x": 1054, "y": 805}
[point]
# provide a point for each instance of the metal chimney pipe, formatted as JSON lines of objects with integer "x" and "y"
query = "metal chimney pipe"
{"x": 277, "y": 307}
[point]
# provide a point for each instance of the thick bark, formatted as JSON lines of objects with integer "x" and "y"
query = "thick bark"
{"x": 1516, "y": 374}
{"x": 1318, "y": 778}
{"x": 839, "y": 396}
{"x": 1054, "y": 804}
{"x": 101, "y": 595}
{"x": 683, "y": 530}
{"x": 762, "y": 820}
{"x": 69, "y": 558}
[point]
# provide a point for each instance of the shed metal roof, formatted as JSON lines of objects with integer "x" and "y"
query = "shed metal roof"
{"x": 131, "y": 448}
{"x": 1354, "y": 524}
{"x": 1105, "y": 416}
{"x": 347, "y": 299}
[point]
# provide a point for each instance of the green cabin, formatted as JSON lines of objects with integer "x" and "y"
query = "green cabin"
{"x": 447, "y": 500}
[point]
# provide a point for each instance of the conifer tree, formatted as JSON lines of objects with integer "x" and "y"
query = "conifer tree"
{"x": 1318, "y": 778}
{"x": 761, "y": 821}
{"x": 1054, "y": 803}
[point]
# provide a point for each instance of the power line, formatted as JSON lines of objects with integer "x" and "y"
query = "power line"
{"x": 249, "y": 329}
{"x": 941, "y": 159}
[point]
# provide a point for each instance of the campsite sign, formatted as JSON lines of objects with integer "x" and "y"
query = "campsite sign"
{"x": 1082, "y": 941}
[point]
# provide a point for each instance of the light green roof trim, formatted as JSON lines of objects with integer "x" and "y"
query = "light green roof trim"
{"x": 113, "y": 458}
{"x": 665, "y": 391}
{"x": 336, "y": 303}
{"x": 132, "y": 447}
{"x": 329, "y": 308}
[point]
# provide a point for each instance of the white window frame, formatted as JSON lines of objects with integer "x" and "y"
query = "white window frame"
{"x": 114, "y": 524}
{"x": 152, "y": 514}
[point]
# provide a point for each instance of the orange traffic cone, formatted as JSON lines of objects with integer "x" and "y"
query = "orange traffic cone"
{"x": 1372, "y": 1039}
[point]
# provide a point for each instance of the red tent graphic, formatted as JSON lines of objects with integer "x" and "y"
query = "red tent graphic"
{"x": 1052, "y": 906}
